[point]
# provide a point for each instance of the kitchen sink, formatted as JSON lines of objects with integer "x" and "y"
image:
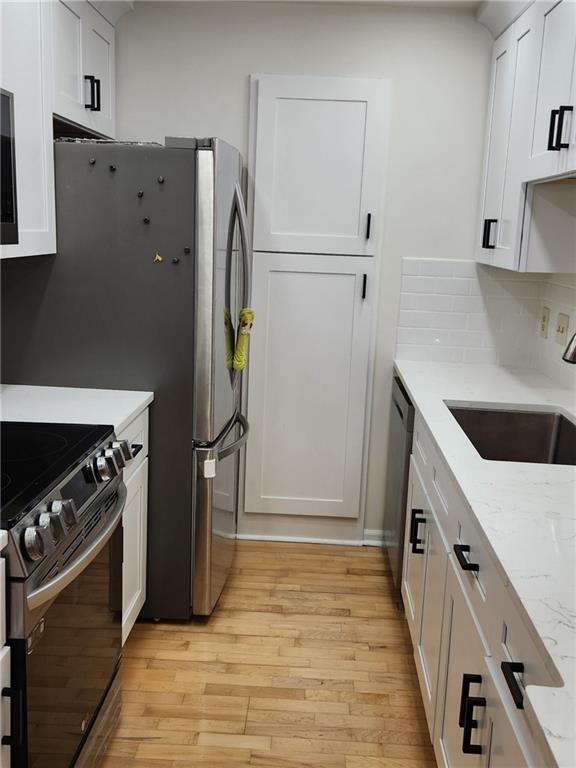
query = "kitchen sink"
{"x": 540, "y": 437}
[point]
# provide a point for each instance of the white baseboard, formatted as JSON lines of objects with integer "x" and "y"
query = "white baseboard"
{"x": 373, "y": 537}
{"x": 300, "y": 539}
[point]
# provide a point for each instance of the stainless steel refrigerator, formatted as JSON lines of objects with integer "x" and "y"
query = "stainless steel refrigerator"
{"x": 152, "y": 252}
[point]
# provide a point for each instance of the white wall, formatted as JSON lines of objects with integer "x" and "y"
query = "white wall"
{"x": 183, "y": 68}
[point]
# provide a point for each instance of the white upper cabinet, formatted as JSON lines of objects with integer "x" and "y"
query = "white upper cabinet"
{"x": 531, "y": 137}
{"x": 308, "y": 381}
{"x": 502, "y": 88}
{"x": 84, "y": 89}
{"x": 553, "y": 126}
{"x": 319, "y": 166}
{"x": 26, "y": 76}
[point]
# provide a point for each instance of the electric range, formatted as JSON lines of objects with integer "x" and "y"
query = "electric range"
{"x": 61, "y": 502}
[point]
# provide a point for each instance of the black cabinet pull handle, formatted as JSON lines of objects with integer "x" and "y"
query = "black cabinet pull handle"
{"x": 98, "y": 105}
{"x": 510, "y": 669}
{"x": 560, "y": 129}
{"x": 486, "y": 232}
{"x": 368, "y": 225}
{"x": 470, "y": 724}
{"x": 465, "y": 564}
{"x": 16, "y": 696}
{"x": 364, "y": 282}
{"x": 467, "y": 681}
{"x": 552, "y": 131}
{"x": 90, "y": 105}
{"x": 414, "y": 523}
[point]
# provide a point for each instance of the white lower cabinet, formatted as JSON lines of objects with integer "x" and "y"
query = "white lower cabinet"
{"x": 424, "y": 574}
{"x": 309, "y": 363}
{"x": 460, "y": 734}
{"x": 463, "y": 625}
{"x": 135, "y": 528}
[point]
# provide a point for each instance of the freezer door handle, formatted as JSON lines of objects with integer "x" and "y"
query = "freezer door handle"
{"x": 222, "y": 453}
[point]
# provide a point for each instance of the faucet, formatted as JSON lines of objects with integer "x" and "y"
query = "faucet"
{"x": 570, "y": 352}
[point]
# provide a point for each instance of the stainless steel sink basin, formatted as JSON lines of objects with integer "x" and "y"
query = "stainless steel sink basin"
{"x": 541, "y": 437}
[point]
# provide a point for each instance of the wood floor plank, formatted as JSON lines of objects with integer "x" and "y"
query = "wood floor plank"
{"x": 306, "y": 661}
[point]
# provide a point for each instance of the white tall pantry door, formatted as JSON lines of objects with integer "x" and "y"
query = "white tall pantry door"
{"x": 319, "y": 168}
{"x": 320, "y": 150}
{"x": 308, "y": 380}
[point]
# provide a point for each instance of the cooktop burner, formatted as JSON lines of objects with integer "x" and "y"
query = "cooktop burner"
{"x": 35, "y": 457}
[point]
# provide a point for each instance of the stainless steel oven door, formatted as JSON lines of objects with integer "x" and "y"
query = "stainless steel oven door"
{"x": 63, "y": 667}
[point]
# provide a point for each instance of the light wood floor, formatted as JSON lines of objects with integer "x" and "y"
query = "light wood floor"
{"x": 306, "y": 661}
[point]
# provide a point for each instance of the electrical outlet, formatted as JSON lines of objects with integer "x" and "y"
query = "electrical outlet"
{"x": 562, "y": 328}
{"x": 544, "y": 322}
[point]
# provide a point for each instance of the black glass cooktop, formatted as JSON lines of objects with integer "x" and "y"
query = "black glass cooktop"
{"x": 34, "y": 458}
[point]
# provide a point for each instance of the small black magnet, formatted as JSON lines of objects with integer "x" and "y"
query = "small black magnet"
{"x": 140, "y": 193}
{"x": 187, "y": 249}
{"x": 146, "y": 220}
{"x": 112, "y": 168}
{"x": 175, "y": 260}
{"x": 160, "y": 179}
{"x": 92, "y": 161}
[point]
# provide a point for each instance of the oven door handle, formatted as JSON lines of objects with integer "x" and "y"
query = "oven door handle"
{"x": 52, "y": 589}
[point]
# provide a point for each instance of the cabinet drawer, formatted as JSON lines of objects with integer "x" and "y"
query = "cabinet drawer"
{"x": 512, "y": 641}
{"x": 507, "y": 746}
{"x": 137, "y": 433}
{"x": 440, "y": 487}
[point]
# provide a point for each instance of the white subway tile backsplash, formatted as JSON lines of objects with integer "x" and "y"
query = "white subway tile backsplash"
{"x": 460, "y": 311}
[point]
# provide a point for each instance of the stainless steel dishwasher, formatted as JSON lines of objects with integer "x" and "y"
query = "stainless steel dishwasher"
{"x": 399, "y": 449}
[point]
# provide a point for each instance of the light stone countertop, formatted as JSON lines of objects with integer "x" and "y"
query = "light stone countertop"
{"x": 72, "y": 405}
{"x": 526, "y": 513}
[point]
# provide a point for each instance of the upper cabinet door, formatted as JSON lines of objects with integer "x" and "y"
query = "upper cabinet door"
{"x": 84, "y": 90}
{"x": 26, "y": 75}
{"x": 319, "y": 166}
{"x": 99, "y": 64}
{"x": 554, "y": 122}
{"x": 70, "y": 90}
{"x": 502, "y": 87}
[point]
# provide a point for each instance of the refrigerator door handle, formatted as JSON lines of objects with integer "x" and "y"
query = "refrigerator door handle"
{"x": 222, "y": 453}
{"x": 238, "y": 212}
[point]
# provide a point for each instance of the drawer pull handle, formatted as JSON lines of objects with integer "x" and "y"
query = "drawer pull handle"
{"x": 467, "y": 681}
{"x": 465, "y": 564}
{"x": 559, "y": 143}
{"x": 552, "y": 131}
{"x": 415, "y": 522}
{"x": 486, "y": 233}
{"x": 510, "y": 669}
{"x": 470, "y": 724}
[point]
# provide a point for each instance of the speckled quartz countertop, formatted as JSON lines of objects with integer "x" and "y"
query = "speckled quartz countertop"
{"x": 526, "y": 512}
{"x": 72, "y": 405}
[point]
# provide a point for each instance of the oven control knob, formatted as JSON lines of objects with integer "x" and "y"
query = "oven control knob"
{"x": 110, "y": 457}
{"x": 34, "y": 542}
{"x": 118, "y": 455}
{"x": 125, "y": 448}
{"x": 52, "y": 522}
{"x": 102, "y": 469}
{"x": 66, "y": 510}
